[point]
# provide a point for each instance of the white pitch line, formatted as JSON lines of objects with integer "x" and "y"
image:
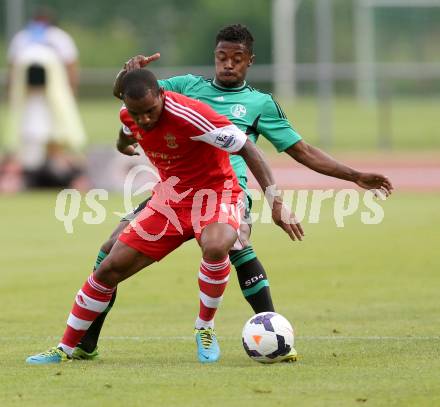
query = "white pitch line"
{"x": 232, "y": 338}
{"x": 367, "y": 338}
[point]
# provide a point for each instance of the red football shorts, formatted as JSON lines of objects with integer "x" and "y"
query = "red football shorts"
{"x": 159, "y": 229}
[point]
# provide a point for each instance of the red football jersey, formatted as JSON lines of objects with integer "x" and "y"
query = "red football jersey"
{"x": 190, "y": 141}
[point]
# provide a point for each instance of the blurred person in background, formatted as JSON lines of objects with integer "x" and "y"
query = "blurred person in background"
{"x": 44, "y": 133}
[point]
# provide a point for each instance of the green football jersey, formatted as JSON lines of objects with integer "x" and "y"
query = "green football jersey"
{"x": 252, "y": 111}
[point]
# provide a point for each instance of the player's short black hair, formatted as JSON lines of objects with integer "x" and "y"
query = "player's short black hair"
{"x": 236, "y": 33}
{"x": 136, "y": 84}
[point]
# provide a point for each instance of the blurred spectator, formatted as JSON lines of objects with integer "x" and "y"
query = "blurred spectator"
{"x": 44, "y": 133}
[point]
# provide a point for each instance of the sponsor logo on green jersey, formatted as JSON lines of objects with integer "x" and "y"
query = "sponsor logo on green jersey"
{"x": 238, "y": 111}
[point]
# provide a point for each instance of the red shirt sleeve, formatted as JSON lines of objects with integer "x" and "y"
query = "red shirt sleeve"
{"x": 201, "y": 116}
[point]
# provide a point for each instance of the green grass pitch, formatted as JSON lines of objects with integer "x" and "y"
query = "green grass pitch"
{"x": 364, "y": 301}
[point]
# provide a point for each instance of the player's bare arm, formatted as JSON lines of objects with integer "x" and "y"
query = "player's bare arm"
{"x": 263, "y": 174}
{"x": 126, "y": 145}
{"x": 317, "y": 160}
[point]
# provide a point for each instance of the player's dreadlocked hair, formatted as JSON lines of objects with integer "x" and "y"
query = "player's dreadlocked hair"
{"x": 136, "y": 84}
{"x": 236, "y": 33}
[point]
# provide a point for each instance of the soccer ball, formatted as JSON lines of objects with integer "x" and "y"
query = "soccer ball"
{"x": 267, "y": 337}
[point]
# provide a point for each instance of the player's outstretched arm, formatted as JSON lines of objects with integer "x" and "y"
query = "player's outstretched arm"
{"x": 263, "y": 174}
{"x": 317, "y": 160}
{"x": 137, "y": 62}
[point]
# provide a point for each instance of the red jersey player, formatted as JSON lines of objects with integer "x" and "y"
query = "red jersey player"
{"x": 189, "y": 144}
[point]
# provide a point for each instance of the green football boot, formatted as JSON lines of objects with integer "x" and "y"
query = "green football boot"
{"x": 291, "y": 357}
{"x": 81, "y": 354}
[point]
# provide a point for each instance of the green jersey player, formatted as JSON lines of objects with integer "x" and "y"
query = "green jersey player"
{"x": 256, "y": 113}
{"x": 252, "y": 111}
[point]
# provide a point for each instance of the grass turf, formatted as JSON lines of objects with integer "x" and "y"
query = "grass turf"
{"x": 363, "y": 299}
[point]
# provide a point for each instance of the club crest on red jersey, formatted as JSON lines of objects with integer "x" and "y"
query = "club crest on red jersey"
{"x": 171, "y": 141}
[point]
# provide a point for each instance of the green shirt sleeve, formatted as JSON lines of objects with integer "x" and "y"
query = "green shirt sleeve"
{"x": 275, "y": 127}
{"x": 178, "y": 84}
